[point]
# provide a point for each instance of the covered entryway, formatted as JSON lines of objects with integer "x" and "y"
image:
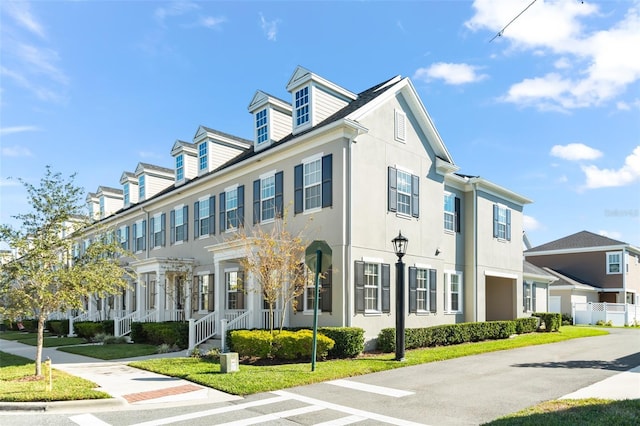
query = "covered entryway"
{"x": 500, "y": 299}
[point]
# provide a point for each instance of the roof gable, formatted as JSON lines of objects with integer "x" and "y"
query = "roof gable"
{"x": 579, "y": 240}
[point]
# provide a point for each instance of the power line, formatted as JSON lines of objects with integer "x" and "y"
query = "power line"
{"x": 499, "y": 34}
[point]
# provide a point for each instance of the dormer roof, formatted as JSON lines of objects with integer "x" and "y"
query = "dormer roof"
{"x": 106, "y": 189}
{"x": 262, "y": 99}
{"x": 153, "y": 169}
{"x": 128, "y": 177}
{"x": 222, "y": 138}
{"x": 182, "y": 146}
{"x": 302, "y": 76}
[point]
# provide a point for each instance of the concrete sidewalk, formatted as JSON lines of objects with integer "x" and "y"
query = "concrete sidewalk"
{"x": 127, "y": 385}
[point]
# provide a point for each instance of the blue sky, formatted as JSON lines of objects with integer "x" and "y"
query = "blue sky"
{"x": 549, "y": 109}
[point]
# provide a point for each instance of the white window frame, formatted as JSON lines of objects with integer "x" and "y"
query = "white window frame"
{"x": 156, "y": 232}
{"x": 139, "y": 234}
{"x": 229, "y": 207}
{"x": 449, "y": 215}
{"x": 527, "y": 296}
{"x": 302, "y": 106}
{"x": 203, "y": 203}
{"x": 123, "y": 235}
{"x": 102, "y": 209}
{"x": 448, "y": 293}
{"x": 227, "y": 285}
{"x": 610, "y": 254}
{"x": 373, "y": 283}
{"x": 502, "y": 222}
{"x": 141, "y": 187}
{"x": 125, "y": 193}
{"x": 203, "y": 156}
{"x": 179, "y": 226}
{"x": 422, "y": 290}
{"x": 403, "y": 197}
{"x": 268, "y": 196}
{"x": 203, "y": 297}
{"x": 312, "y": 181}
{"x": 179, "y": 167}
{"x": 262, "y": 126}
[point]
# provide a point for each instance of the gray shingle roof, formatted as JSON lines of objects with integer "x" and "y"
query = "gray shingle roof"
{"x": 582, "y": 239}
{"x": 531, "y": 269}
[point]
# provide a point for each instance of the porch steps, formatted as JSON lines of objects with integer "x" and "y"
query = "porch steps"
{"x": 207, "y": 345}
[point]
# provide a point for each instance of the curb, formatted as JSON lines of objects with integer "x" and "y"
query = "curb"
{"x": 60, "y": 405}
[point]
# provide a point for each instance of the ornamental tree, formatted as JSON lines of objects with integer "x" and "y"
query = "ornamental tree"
{"x": 46, "y": 274}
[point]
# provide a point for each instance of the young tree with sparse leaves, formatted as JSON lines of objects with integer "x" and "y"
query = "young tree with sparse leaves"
{"x": 44, "y": 277}
{"x": 274, "y": 257}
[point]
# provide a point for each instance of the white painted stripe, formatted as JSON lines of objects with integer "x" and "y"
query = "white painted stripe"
{"x": 396, "y": 393}
{"x": 274, "y": 416}
{"x": 213, "y": 411}
{"x": 349, "y": 410}
{"x": 349, "y": 420}
{"x": 87, "y": 420}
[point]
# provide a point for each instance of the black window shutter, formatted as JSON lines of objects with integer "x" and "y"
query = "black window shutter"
{"x": 279, "y": 200}
{"x": 172, "y": 226}
{"x": 533, "y": 297}
{"x": 135, "y": 240}
{"x": 386, "y": 288}
{"x": 152, "y": 239}
{"x": 144, "y": 232}
{"x": 212, "y": 215}
{"x": 211, "y": 306}
{"x": 223, "y": 212}
{"x": 415, "y": 196}
{"x": 298, "y": 192}
{"x": 413, "y": 292}
{"x": 127, "y": 237}
{"x": 196, "y": 220}
{"x": 432, "y": 290}
{"x": 393, "y": 189}
{"x": 163, "y": 229}
{"x": 327, "y": 186}
{"x": 359, "y": 282}
{"x": 325, "y": 298}
{"x": 241, "y": 205}
{"x": 185, "y": 218}
{"x": 256, "y": 201}
{"x": 524, "y": 295}
{"x": 508, "y": 232}
{"x": 457, "y": 212}
{"x": 495, "y": 221}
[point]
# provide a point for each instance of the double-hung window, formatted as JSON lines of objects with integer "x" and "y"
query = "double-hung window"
{"x": 614, "y": 262}
{"x": 451, "y": 212}
{"x": 262, "y": 134}
{"x": 125, "y": 194}
{"x": 157, "y": 230}
{"x": 179, "y": 224}
{"x": 267, "y": 197}
{"x": 453, "y": 292}
{"x": 232, "y": 208}
{"x": 529, "y": 296}
{"x": 501, "y": 222}
{"x": 203, "y": 161}
{"x": 422, "y": 289}
{"x": 204, "y": 220}
{"x": 205, "y": 292}
{"x": 141, "y": 187}
{"x": 179, "y": 167}
{"x": 313, "y": 183}
{"x": 302, "y": 106}
{"x": 235, "y": 295}
{"x": 305, "y": 302}
{"x": 123, "y": 236}
{"x": 139, "y": 232}
{"x": 102, "y": 209}
{"x": 372, "y": 287}
{"x": 403, "y": 192}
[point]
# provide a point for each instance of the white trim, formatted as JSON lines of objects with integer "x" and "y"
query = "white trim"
{"x": 576, "y": 250}
{"x": 312, "y": 158}
{"x": 404, "y": 169}
{"x": 501, "y": 275}
{"x": 620, "y": 262}
{"x": 231, "y": 188}
{"x": 372, "y": 259}
{"x": 422, "y": 266}
{"x": 267, "y": 174}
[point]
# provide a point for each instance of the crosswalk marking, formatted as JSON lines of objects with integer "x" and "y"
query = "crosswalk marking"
{"x": 87, "y": 420}
{"x": 348, "y": 420}
{"x": 396, "y": 393}
{"x": 274, "y": 416}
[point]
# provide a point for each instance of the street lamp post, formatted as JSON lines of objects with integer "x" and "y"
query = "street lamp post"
{"x": 400, "y": 247}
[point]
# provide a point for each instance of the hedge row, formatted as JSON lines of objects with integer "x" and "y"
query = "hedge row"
{"x": 551, "y": 320}
{"x": 157, "y": 333}
{"x": 454, "y": 334}
{"x": 88, "y": 329}
{"x": 287, "y": 345}
{"x": 349, "y": 341}
{"x": 58, "y": 327}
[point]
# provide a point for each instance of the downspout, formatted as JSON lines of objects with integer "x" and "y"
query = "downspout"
{"x": 624, "y": 285}
{"x": 347, "y": 312}
{"x": 475, "y": 250}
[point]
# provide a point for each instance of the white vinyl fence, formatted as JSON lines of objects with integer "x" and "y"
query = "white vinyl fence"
{"x": 620, "y": 314}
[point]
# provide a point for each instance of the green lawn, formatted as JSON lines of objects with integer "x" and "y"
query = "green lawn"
{"x": 112, "y": 351}
{"x": 253, "y": 379}
{"x": 50, "y": 341}
{"x": 18, "y": 384}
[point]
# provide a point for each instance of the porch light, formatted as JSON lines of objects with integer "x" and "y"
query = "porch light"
{"x": 400, "y": 245}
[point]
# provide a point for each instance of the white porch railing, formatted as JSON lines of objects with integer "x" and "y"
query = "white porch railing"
{"x": 202, "y": 329}
{"x": 84, "y": 316}
{"x": 122, "y": 326}
{"x": 173, "y": 315}
{"x": 620, "y": 314}
{"x": 237, "y": 319}
{"x": 149, "y": 316}
{"x": 266, "y": 319}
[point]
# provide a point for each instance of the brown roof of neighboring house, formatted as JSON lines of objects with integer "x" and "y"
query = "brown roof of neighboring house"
{"x": 582, "y": 239}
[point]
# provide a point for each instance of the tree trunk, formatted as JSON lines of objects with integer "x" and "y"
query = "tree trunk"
{"x": 39, "y": 345}
{"x": 283, "y": 313}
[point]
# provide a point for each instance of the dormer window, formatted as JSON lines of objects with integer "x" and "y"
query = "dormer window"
{"x": 302, "y": 106}
{"x": 202, "y": 156}
{"x": 125, "y": 193}
{"x": 180, "y": 167}
{"x": 262, "y": 134}
{"x": 141, "y": 188}
{"x": 101, "y": 207}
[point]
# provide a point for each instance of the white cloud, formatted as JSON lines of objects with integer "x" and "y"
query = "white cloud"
{"x": 176, "y": 8}
{"x": 556, "y": 27}
{"x": 451, "y": 73}
{"x": 21, "y": 13}
{"x": 575, "y": 152}
{"x": 603, "y": 178}
{"x": 212, "y": 22}
{"x": 529, "y": 223}
{"x": 270, "y": 28}
{"x": 6, "y": 182}
{"x": 611, "y": 234}
{"x": 17, "y": 129}
{"x": 15, "y": 151}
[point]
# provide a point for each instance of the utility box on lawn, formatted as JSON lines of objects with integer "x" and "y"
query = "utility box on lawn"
{"x": 229, "y": 362}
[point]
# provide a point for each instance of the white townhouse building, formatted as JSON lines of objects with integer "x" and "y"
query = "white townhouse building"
{"x": 352, "y": 169}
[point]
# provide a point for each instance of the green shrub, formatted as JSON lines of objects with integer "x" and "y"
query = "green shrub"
{"x": 349, "y": 341}
{"x": 30, "y": 325}
{"x": 58, "y": 327}
{"x": 567, "y": 319}
{"x": 526, "y": 325}
{"x": 551, "y": 320}
{"x": 251, "y": 343}
{"x": 290, "y": 345}
{"x": 137, "y": 333}
{"x": 170, "y": 333}
{"x": 88, "y": 329}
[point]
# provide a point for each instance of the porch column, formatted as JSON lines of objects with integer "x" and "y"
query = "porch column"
{"x": 189, "y": 282}
{"x": 161, "y": 295}
{"x": 251, "y": 305}
{"x": 139, "y": 295}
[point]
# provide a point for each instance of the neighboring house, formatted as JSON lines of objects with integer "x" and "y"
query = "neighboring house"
{"x": 590, "y": 268}
{"x": 536, "y": 285}
{"x": 362, "y": 166}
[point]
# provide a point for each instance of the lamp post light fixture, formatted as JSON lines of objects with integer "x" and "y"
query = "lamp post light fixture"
{"x": 400, "y": 247}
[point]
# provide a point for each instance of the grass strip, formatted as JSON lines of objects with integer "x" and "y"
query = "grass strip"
{"x": 112, "y": 351}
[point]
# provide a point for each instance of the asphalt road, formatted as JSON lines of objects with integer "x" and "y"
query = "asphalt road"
{"x": 465, "y": 391}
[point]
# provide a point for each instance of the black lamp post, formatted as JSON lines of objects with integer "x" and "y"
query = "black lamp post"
{"x": 400, "y": 247}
